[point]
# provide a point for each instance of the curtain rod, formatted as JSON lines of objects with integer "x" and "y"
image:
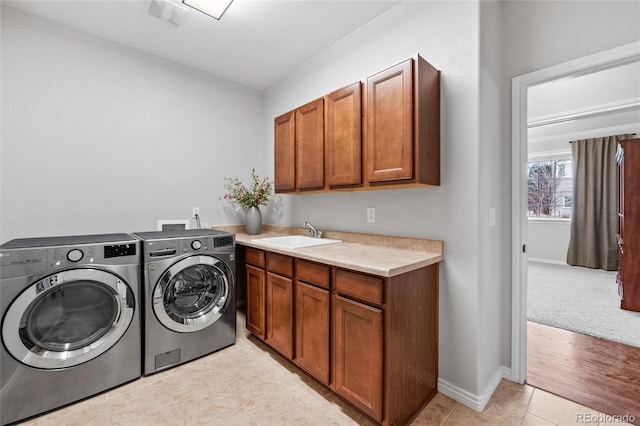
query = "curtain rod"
{"x": 632, "y": 134}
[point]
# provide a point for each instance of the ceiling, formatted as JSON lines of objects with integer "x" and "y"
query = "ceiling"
{"x": 596, "y": 104}
{"x": 256, "y": 43}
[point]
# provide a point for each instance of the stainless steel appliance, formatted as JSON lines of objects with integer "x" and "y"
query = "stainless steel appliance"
{"x": 70, "y": 320}
{"x": 189, "y": 295}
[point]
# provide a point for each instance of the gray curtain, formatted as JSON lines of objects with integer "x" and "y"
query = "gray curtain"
{"x": 594, "y": 223}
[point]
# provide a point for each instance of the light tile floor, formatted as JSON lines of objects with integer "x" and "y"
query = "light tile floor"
{"x": 248, "y": 384}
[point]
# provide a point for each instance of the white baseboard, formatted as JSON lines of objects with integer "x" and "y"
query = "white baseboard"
{"x": 554, "y": 262}
{"x": 475, "y": 402}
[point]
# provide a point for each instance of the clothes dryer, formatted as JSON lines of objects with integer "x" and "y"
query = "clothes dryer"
{"x": 189, "y": 295}
{"x": 70, "y": 320}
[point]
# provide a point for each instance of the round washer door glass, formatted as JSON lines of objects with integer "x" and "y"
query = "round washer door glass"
{"x": 192, "y": 294}
{"x": 68, "y": 318}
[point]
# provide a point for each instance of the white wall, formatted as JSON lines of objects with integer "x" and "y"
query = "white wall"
{"x": 492, "y": 248}
{"x": 446, "y": 35}
{"x": 99, "y": 137}
{"x": 548, "y": 240}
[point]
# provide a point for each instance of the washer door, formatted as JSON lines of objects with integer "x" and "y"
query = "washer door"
{"x": 191, "y": 295}
{"x": 68, "y": 318}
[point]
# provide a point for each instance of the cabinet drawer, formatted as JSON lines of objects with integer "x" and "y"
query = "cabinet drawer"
{"x": 359, "y": 286}
{"x": 312, "y": 273}
{"x": 255, "y": 257}
{"x": 280, "y": 264}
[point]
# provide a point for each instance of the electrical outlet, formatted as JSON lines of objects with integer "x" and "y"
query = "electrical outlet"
{"x": 371, "y": 215}
{"x": 195, "y": 211}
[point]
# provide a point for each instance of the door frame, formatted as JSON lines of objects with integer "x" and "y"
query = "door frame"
{"x": 611, "y": 58}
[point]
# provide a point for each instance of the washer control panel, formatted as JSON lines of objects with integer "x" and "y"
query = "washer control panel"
{"x": 119, "y": 250}
{"x": 196, "y": 244}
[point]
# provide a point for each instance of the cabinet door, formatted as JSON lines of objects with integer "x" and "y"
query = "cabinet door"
{"x": 343, "y": 136}
{"x": 310, "y": 145}
{"x": 312, "y": 330}
{"x": 256, "y": 301}
{"x": 284, "y": 141}
{"x": 358, "y": 355}
{"x": 389, "y": 140}
{"x": 280, "y": 314}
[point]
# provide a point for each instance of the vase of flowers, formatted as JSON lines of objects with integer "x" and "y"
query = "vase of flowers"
{"x": 250, "y": 197}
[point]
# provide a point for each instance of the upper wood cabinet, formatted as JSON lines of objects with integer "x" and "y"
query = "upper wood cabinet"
{"x": 389, "y": 143}
{"x": 343, "y": 136}
{"x": 402, "y": 142}
{"x": 385, "y": 133}
{"x": 285, "y": 153}
{"x": 310, "y": 145}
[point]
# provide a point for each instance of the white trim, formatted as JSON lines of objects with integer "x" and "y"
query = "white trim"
{"x": 604, "y": 60}
{"x": 588, "y": 112}
{"x": 551, "y": 261}
{"x": 555, "y": 154}
{"x": 475, "y": 402}
{"x": 549, "y": 219}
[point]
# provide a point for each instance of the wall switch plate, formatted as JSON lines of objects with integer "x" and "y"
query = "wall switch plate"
{"x": 371, "y": 215}
{"x": 195, "y": 211}
{"x": 492, "y": 216}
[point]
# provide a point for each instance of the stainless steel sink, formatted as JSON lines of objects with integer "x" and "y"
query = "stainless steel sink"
{"x": 295, "y": 241}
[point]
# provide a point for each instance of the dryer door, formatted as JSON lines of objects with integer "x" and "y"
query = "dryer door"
{"x": 192, "y": 294}
{"x": 68, "y": 318}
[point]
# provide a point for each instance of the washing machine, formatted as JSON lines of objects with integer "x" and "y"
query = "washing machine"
{"x": 189, "y": 295}
{"x": 70, "y": 320}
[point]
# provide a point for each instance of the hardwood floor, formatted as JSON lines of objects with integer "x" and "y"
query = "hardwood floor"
{"x": 598, "y": 373}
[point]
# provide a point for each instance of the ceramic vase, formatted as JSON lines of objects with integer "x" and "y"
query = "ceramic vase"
{"x": 253, "y": 220}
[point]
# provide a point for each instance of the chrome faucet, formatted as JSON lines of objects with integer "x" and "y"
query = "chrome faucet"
{"x": 313, "y": 232}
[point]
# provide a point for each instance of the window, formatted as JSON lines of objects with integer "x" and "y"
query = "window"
{"x": 550, "y": 188}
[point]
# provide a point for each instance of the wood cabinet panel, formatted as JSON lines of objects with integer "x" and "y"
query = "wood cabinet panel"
{"x": 312, "y": 330}
{"x": 255, "y": 257}
{"x": 280, "y": 264}
{"x": 360, "y": 286}
{"x": 280, "y": 314}
{"x": 389, "y": 142}
{"x": 358, "y": 355}
{"x": 313, "y": 273}
{"x": 256, "y": 292}
{"x": 309, "y": 136}
{"x": 285, "y": 157}
{"x": 343, "y": 136}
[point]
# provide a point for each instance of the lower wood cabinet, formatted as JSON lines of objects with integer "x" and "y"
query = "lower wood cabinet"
{"x": 357, "y": 349}
{"x": 372, "y": 340}
{"x": 256, "y": 301}
{"x": 312, "y": 330}
{"x": 280, "y": 314}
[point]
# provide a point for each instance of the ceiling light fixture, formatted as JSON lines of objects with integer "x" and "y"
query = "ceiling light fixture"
{"x": 213, "y": 8}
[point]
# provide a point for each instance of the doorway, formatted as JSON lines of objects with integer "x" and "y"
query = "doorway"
{"x": 560, "y": 343}
{"x": 605, "y": 60}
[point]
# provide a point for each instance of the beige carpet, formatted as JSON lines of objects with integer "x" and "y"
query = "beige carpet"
{"x": 580, "y": 299}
